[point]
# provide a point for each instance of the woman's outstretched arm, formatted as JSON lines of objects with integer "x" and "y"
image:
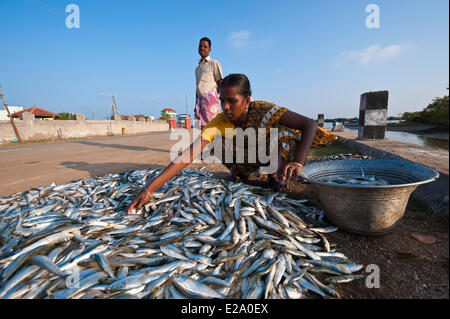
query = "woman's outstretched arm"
{"x": 170, "y": 171}
{"x": 308, "y": 127}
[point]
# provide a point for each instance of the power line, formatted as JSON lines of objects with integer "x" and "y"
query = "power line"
{"x": 114, "y": 109}
{"x": 10, "y": 117}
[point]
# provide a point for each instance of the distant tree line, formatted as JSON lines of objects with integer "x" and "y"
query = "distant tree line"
{"x": 344, "y": 119}
{"x": 166, "y": 118}
{"x": 341, "y": 119}
{"x": 435, "y": 113}
{"x": 65, "y": 116}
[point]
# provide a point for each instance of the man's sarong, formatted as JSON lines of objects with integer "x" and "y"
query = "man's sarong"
{"x": 206, "y": 108}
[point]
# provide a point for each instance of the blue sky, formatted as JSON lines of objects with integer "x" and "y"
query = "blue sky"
{"x": 311, "y": 56}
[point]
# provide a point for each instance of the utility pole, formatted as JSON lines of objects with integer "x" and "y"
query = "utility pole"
{"x": 186, "y": 107}
{"x": 114, "y": 109}
{"x": 10, "y": 117}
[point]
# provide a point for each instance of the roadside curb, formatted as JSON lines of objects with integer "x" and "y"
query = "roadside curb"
{"x": 434, "y": 195}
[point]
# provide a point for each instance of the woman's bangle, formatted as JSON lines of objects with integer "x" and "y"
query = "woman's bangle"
{"x": 295, "y": 163}
{"x": 148, "y": 193}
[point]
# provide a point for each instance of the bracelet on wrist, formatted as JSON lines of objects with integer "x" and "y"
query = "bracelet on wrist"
{"x": 297, "y": 164}
{"x": 148, "y": 193}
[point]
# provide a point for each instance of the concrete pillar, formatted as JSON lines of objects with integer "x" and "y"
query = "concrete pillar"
{"x": 187, "y": 123}
{"x": 27, "y": 116}
{"x": 116, "y": 118}
{"x": 80, "y": 117}
{"x": 320, "y": 120}
{"x": 373, "y": 115}
{"x": 173, "y": 123}
{"x": 141, "y": 119}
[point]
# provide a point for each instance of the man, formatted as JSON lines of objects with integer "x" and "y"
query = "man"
{"x": 208, "y": 76}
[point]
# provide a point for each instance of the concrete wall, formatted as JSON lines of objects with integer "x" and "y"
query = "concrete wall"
{"x": 31, "y": 129}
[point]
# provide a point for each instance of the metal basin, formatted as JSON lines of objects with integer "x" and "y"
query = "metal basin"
{"x": 365, "y": 209}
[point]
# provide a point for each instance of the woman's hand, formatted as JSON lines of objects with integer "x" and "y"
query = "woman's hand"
{"x": 307, "y": 126}
{"x": 142, "y": 199}
{"x": 170, "y": 171}
{"x": 290, "y": 169}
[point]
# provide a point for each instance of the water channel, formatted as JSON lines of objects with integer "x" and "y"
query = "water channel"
{"x": 434, "y": 140}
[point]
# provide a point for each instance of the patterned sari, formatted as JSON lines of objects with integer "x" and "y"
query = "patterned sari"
{"x": 267, "y": 115}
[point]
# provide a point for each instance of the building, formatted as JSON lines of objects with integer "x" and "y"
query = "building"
{"x": 181, "y": 119}
{"x": 168, "y": 112}
{"x": 39, "y": 114}
{"x": 126, "y": 117}
{"x": 12, "y": 109}
{"x": 139, "y": 116}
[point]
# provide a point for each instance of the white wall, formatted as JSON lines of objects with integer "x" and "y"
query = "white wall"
{"x": 34, "y": 130}
{"x": 12, "y": 109}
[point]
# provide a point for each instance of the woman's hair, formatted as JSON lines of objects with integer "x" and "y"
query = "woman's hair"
{"x": 240, "y": 81}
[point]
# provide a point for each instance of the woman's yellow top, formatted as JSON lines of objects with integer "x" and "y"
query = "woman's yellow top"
{"x": 217, "y": 124}
{"x": 221, "y": 122}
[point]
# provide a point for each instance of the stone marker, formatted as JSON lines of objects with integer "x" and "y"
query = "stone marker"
{"x": 373, "y": 115}
{"x": 320, "y": 120}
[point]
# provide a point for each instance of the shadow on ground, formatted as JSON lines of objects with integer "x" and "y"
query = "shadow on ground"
{"x": 125, "y": 147}
{"x": 99, "y": 169}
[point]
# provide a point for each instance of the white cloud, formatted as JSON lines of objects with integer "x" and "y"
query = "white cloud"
{"x": 240, "y": 39}
{"x": 371, "y": 54}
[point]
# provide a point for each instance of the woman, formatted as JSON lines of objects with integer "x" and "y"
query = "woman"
{"x": 296, "y": 134}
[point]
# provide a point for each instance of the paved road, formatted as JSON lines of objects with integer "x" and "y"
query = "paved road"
{"x": 34, "y": 165}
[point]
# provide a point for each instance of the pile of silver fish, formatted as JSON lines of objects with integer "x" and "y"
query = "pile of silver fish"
{"x": 339, "y": 157}
{"x": 199, "y": 237}
{"x": 357, "y": 180}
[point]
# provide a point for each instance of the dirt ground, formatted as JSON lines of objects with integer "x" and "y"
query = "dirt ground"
{"x": 408, "y": 268}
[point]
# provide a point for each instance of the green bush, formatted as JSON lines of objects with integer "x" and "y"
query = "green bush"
{"x": 166, "y": 118}
{"x": 65, "y": 116}
{"x": 435, "y": 113}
